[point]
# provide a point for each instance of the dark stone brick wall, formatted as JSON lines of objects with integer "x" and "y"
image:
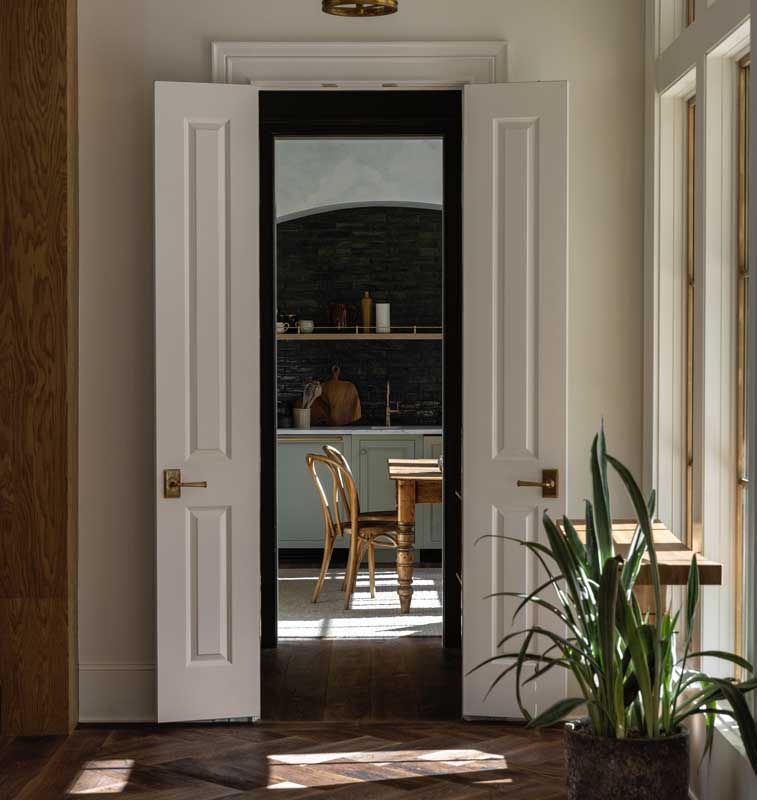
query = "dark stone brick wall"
{"x": 393, "y": 252}
{"x": 396, "y": 254}
{"x": 414, "y": 370}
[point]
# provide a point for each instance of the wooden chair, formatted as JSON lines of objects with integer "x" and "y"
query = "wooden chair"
{"x": 342, "y": 517}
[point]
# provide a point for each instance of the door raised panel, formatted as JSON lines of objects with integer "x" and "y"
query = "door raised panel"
{"x": 207, "y": 321}
{"x": 509, "y": 574}
{"x": 209, "y": 584}
{"x": 514, "y": 291}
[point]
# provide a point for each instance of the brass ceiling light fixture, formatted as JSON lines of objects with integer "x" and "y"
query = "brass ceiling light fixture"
{"x": 360, "y": 8}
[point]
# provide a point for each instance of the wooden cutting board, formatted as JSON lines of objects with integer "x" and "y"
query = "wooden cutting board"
{"x": 339, "y": 403}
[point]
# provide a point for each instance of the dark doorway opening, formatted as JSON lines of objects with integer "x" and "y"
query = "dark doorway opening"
{"x": 360, "y": 114}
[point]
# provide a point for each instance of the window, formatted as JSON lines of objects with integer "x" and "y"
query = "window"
{"x": 742, "y": 266}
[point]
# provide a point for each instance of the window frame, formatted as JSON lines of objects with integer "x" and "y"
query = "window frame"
{"x": 742, "y": 545}
{"x": 692, "y": 540}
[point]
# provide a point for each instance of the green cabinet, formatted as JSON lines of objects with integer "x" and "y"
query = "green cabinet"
{"x": 431, "y": 517}
{"x": 377, "y": 492}
{"x": 299, "y": 514}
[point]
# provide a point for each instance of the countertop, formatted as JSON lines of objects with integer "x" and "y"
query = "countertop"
{"x": 380, "y": 430}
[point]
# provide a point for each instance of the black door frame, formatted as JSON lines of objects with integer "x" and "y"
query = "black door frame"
{"x": 364, "y": 113}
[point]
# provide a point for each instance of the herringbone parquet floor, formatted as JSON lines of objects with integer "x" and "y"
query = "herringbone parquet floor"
{"x": 437, "y": 761}
{"x": 347, "y": 726}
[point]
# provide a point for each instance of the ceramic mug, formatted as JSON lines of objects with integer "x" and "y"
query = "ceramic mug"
{"x": 301, "y": 418}
{"x": 282, "y": 327}
{"x": 307, "y": 326}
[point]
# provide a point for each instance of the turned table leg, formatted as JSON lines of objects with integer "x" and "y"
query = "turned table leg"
{"x": 405, "y": 541}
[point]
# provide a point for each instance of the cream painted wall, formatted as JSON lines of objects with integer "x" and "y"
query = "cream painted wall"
{"x": 123, "y": 48}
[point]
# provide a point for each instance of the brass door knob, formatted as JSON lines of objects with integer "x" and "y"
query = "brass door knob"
{"x": 172, "y": 483}
{"x": 549, "y": 483}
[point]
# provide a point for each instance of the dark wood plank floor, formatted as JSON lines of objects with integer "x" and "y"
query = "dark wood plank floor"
{"x": 381, "y": 680}
{"x": 432, "y": 760}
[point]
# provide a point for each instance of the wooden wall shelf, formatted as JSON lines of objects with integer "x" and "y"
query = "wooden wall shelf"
{"x": 347, "y": 337}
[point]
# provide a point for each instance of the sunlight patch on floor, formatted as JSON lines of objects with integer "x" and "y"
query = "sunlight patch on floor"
{"x": 388, "y": 757}
{"x": 102, "y": 777}
{"x": 286, "y": 768}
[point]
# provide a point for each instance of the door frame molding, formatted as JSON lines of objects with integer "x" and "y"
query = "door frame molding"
{"x": 370, "y": 65}
{"x": 375, "y": 113}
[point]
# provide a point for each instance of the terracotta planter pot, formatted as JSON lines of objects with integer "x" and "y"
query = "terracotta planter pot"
{"x": 634, "y": 769}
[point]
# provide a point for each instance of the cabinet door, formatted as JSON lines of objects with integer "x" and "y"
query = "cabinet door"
{"x": 433, "y": 447}
{"x": 377, "y": 492}
{"x": 299, "y": 515}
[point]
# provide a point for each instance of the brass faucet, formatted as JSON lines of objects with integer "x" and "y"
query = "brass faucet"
{"x": 389, "y": 409}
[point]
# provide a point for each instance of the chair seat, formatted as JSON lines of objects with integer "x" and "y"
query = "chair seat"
{"x": 370, "y": 529}
{"x": 371, "y": 516}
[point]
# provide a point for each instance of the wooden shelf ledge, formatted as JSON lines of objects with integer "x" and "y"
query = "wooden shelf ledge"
{"x": 351, "y": 337}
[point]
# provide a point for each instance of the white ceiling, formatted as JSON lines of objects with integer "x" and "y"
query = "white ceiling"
{"x": 312, "y": 173}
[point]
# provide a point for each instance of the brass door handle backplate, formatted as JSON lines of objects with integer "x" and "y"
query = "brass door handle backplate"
{"x": 549, "y": 483}
{"x": 172, "y": 483}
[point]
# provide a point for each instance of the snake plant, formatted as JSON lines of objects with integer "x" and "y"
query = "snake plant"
{"x": 633, "y": 679}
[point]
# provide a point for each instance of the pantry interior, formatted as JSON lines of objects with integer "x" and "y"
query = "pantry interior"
{"x": 359, "y": 367}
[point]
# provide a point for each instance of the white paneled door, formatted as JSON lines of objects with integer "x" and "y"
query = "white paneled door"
{"x": 515, "y": 209}
{"x": 207, "y": 400}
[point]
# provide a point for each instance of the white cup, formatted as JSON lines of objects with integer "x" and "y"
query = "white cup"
{"x": 307, "y": 326}
{"x": 383, "y": 319}
{"x": 282, "y": 327}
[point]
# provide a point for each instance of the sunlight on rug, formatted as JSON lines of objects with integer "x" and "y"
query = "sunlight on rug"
{"x": 369, "y": 618}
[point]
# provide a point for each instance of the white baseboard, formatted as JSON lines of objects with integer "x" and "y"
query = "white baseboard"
{"x": 114, "y": 693}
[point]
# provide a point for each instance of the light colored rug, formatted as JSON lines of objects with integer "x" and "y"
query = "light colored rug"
{"x": 369, "y": 618}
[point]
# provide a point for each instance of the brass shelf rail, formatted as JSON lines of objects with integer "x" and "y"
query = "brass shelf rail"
{"x": 355, "y": 332}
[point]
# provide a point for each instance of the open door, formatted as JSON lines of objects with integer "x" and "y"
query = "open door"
{"x": 207, "y": 401}
{"x": 515, "y": 210}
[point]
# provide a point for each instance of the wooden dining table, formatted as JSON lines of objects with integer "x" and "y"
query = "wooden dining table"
{"x": 418, "y": 480}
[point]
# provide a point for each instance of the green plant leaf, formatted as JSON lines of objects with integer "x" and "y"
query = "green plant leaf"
{"x": 642, "y": 516}
{"x": 640, "y": 658}
{"x": 539, "y": 671}
{"x": 732, "y": 657}
{"x": 537, "y": 548}
{"x": 692, "y": 597}
{"x": 556, "y": 712}
{"x": 567, "y": 564}
{"x": 601, "y": 505}
{"x": 743, "y": 717}
{"x": 501, "y": 656}
{"x": 606, "y": 610}
{"x": 576, "y": 545}
{"x": 636, "y": 551}
{"x": 592, "y": 552}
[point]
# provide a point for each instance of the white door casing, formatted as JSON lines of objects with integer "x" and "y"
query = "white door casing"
{"x": 515, "y": 208}
{"x": 207, "y": 400}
